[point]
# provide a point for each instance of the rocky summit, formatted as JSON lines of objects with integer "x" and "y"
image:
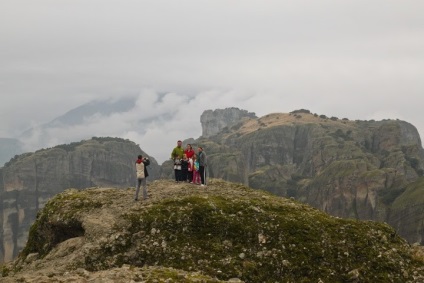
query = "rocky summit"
{"x": 226, "y": 232}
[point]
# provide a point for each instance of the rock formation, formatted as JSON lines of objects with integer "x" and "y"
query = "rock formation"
{"x": 226, "y": 233}
{"x": 214, "y": 121}
{"x": 28, "y": 181}
{"x": 350, "y": 169}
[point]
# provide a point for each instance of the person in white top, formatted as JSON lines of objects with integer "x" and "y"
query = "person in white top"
{"x": 141, "y": 171}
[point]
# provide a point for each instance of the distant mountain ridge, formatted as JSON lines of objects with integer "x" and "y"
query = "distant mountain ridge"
{"x": 103, "y": 107}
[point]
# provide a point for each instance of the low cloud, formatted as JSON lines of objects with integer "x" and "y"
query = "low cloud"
{"x": 155, "y": 122}
{"x": 158, "y": 119}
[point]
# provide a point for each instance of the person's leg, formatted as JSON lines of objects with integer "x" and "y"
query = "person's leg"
{"x": 198, "y": 178}
{"x": 144, "y": 188}
{"x": 199, "y": 181}
{"x": 202, "y": 176}
{"x": 190, "y": 176}
{"x": 176, "y": 175}
{"x": 137, "y": 189}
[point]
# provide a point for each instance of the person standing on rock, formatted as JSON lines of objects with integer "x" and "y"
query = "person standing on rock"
{"x": 184, "y": 168}
{"x": 141, "y": 171}
{"x": 176, "y": 155}
{"x": 202, "y": 165}
{"x": 189, "y": 152}
{"x": 177, "y": 169}
{"x": 190, "y": 169}
{"x": 196, "y": 176}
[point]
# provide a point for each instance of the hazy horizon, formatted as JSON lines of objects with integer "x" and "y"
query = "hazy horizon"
{"x": 354, "y": 59}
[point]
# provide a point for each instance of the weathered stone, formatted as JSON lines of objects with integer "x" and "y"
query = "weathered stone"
{"x": 214, "y": 121}
{"x": 31, "y": 257}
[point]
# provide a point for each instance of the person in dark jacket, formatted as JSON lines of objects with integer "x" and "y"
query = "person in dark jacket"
{"x": 184, "y": 168}
{"x": 202, "y": 165}
{"x": 141, "y": 171}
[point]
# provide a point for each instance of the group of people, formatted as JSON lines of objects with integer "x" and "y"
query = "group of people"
{"x": 188, "y": 167}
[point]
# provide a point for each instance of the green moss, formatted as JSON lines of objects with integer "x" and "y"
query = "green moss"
{"x": 230, "y": 231}
{"x": 256, "y": 240}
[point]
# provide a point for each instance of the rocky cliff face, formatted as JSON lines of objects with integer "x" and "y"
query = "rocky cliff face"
{"x": 406, "y": 212}
{"x": 351, "y": 169}
{"x": 226, "y": 233}
{"x": 214, "y": 121}
{"x": 29, "y": 180}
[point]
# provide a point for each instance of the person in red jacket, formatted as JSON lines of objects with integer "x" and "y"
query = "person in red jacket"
{"x": 189, "y": 151}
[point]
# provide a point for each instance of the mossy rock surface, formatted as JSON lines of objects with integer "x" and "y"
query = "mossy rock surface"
{"x": 223, "y": 232}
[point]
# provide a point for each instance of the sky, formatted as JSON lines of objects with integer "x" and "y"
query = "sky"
{"x": 351, "y": 59}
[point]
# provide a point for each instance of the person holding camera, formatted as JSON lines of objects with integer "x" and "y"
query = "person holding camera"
{"x": 141, "y": 171}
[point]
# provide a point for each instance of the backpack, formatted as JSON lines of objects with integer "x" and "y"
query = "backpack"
{"x": 140, "y": 170}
